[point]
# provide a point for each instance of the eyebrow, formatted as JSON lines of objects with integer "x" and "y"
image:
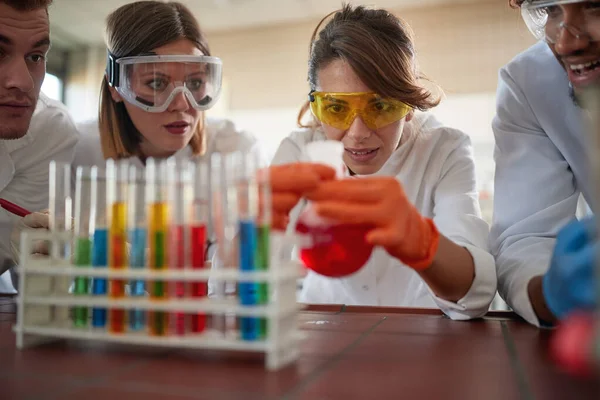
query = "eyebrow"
{"x": 40, "y": 43}
{"x": 43, "y": 42}
{"x": 5, "y": 40}
{"x": 334, "y": 100}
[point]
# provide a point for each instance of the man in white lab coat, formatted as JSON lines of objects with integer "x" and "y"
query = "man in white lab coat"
{"x": 34, "y": 130}
{"x": 541, "y": 164}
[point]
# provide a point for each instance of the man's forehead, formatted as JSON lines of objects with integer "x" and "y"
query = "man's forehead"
{"x": 19, "y": 25}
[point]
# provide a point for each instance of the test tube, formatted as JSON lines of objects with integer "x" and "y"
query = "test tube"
{"x": 180, "y": 201}
{"x": 137, "y": 239}
{"x": 85, "y": 210}
{"x": 200, "y": 215}
{"x": 100, "y": 249}
{"x": 247, "y": 196}
{"x": 61, "y": 208}
{"x": 225, "y": 224}
{"x": 263, "y": 247}
{"x": 116, "y": 202}
{"x": 158, "y": 217}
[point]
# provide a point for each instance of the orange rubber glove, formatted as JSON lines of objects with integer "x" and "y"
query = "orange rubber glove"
{"x": 289, "y": 182}
{"x": 380, "y": 202}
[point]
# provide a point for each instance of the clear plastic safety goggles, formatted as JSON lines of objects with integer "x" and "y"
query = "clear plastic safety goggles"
{"x": 340, "y": 109}
{"x": 546, "y": 19}
{"x": 152, "y": 82}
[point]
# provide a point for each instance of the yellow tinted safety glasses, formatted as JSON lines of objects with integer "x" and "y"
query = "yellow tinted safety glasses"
{"x": 340, "y": 109}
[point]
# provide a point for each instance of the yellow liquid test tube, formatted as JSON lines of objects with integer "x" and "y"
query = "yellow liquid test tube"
{"x": 158, "y": 218}
{"x": 117, "y": 242}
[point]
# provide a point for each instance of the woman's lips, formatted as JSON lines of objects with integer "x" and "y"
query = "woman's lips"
{"x": 362, "y": 155}
{"x": 177, "y": 128}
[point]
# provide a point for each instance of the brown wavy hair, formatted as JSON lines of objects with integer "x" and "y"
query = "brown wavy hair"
{"x": 134, "y": 29}
{"x": 379, "y": 48}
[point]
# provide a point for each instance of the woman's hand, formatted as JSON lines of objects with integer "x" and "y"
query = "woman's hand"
{"x": 380, "y": 202}
{"x": 289, "y": 183}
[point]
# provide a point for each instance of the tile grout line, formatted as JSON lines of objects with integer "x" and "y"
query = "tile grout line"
{"x": 78, "y": 383}
{"x": 518, "y": 370}
{"x": 327, "y": 365}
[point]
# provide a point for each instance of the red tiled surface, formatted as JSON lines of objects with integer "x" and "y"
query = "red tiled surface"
{"x": 348, "y": 353}
{"x": 545, "y": 379}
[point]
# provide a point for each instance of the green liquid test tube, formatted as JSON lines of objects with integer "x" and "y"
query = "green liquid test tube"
{"x": 85, "y": 193}
{"x": 158, "y": 218}
{"x": 83, "y": 258}
{"x": 262, "y": 264}
{"x": 160, "y": 262}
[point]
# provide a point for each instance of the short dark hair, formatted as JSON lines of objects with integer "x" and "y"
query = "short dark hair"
{"x": 27, "y": 5}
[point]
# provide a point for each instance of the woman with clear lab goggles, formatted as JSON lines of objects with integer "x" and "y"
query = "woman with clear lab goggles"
{"x": 160, "y": 78}
{"x": 416, "y": 180}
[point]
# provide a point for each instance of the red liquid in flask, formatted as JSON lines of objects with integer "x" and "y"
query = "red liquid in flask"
{"x": 199, "y": 289}
{"x": 336, "y": 250}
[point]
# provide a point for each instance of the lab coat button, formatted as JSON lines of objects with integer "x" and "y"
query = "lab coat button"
{"x": 365, "y": 287}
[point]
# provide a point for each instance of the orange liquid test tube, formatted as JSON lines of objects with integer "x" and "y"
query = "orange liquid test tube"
{"x": 116, "y": 195}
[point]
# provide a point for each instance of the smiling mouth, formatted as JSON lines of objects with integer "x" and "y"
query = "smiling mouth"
{"x": 580, "y": 69}
{"x": 361, "y": 152}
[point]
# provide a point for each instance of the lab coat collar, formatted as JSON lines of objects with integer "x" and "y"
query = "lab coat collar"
{"x": 7, "y": 165}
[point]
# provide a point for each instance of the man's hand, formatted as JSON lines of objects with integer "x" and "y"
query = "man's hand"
{"x": 36, "y": 220}
{"x": 569, "y": 283}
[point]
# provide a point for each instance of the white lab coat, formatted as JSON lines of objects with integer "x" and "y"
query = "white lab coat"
{"x": 222, "y": 137}
{"x": 435, "y": 166}
{"x": 24, "y": 168}
{"x": 540, "y": 170}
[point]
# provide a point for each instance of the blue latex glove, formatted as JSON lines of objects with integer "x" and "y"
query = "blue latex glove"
{"x": 570, "y": 283}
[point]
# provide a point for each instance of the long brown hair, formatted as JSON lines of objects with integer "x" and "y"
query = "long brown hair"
{"x": 379, "y": 48}
{"x": 134, "y": 29}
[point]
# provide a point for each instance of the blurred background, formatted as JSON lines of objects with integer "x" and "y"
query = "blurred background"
{"x": 264, "y": 44}
{"x": 461, "y": 44}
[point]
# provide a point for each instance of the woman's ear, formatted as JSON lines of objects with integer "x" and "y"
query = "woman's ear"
{"x": 114, "y": 94}
{"x": 410, "y": 115}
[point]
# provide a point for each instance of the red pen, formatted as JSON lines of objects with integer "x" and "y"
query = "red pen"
{"x": 13, "y": 208}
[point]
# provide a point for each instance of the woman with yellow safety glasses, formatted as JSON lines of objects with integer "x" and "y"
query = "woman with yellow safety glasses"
{"x": 414, "y": 178}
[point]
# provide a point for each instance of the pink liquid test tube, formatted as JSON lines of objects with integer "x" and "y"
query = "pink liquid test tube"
{"x": 180, "y": 201}
{"x": 200, "y": 215}
{"x": 333, "y": 250}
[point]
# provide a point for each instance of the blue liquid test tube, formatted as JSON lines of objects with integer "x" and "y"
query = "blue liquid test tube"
{"x": 247, "y": 195}
{"x": 138, "y": 241}
{"x": 100, "y": 250}
{"x": 249, "y": 326}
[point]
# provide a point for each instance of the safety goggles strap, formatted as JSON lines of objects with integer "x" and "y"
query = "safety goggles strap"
{"x": 112, "y": 70}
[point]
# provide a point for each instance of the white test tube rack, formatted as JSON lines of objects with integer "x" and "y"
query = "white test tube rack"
{"x": 38, "y": 321}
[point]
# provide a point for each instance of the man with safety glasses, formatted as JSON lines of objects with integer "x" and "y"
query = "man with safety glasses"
{"x": 545, "y": 269}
